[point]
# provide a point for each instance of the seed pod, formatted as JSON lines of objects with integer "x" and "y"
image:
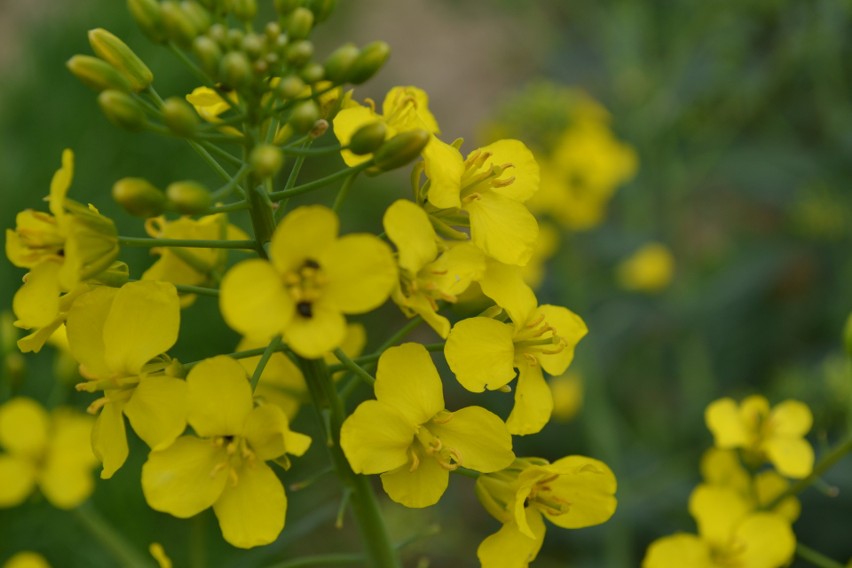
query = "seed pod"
{"x": 179, "y": 117}
{"x": 338, "y": 64}
{"x": 303, "y": 116}
{"x": 400, "y": 150}
{"x": 115, "y": 52}
{"x": 188, "y": 197}
{"x": 120, "y": 108}
{"x": 97, "y": 73}
{"x": 139, "y": 197}
{"x": 371, "y": 59}
{"x": 368, "y": 138}
{"x": 149, "y": 18}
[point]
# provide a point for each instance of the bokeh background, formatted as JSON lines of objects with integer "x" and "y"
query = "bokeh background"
{"x": 740, "y": 118}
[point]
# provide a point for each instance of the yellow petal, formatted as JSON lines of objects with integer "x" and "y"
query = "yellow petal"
{"x": 509, "y": 547}
{"x": 765, "y": 540}
{"x": 36, "y": 303}
{"x": 589, "y": 486}
{"x": 456, "y": 268}
{"x": 769, "y": 485}
{"x": 481, "y": 439}
{"x": 143, "y": 322}
{"x": 678, "y": 551}
{"x": 502, "y": 227}
{"x": 17, "y": 480}
{"x": 505, "y": 285}
{"x": 722, "y": 467}
{"x": 570, "y": 328}
{"x": 533, "y": 401}
{"x": 157, "y": 410}
{"x": 346, "y": 123}
{"x": 521, "y": 166}
{"x": 723, "y": 420}
{"x": 85, "y": 329}
{"x": 218, "y": 397}
{"x": 66, "y": 487}
{"x": 314, "y": 336}
{"x": 481, "y": 354}
{"x": 717, "y": 511}
{"x": 444, "y": 167}
{"x": 360, "y": 272}
{"x": 408, "y": 226}
{"x": 24, "y": 427}
{"x": 254, "y": 301}
{"x": 251, "y": 511}
{"x": 61, "y": 182}
{"x": 407, "y": 108}
{"x": 406, "y": 379}
{"x": 303, "y": 234}
{"x": 185, "y": 478}
{"x": 109, "y": 439}
{"x": 376, "y": 438}
{"x": 792, "y": 457}
{"x": 268, "y": 431}
{"x": 790, "y": 418}
{"x": 66, "y": 478}
{"x": 281, "y": 382}
{"x": 422, "y": 487}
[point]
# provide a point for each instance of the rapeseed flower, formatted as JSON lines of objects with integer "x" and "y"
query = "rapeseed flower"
{"x": 650, "y": 269}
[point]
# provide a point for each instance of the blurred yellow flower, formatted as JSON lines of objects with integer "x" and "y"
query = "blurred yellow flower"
{"x": 26, "y": 559}
{"x": 650, "y": 269}
{"x": 567, "y": 392}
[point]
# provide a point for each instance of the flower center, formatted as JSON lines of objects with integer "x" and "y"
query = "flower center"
{"x": 237, "y": 454}
{"x": 537, "y": 337}
{"x": 481, "y": 175}
{"x": 427, "y": 444}
{"x": 305, "y": 286}
{"x": 542, "y": 498}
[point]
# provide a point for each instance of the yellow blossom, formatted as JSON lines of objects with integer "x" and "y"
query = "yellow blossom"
{"x": 408, "y": 436}
{"x": 51, "y": 451}
{"x": 225, "y": 466}
{"x": 649, "y": 269}
{"x": 26, "y": 559}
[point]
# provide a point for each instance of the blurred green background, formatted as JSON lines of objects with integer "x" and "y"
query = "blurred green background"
{"x": 741, "y": 117}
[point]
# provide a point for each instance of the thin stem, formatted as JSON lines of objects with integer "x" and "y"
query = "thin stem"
{"x": 816, "y": 558}
{"x": 184, "y": 243}
{"x": 190, "y": 64}
{"x": 291, "y": 179}
{"x": 343, "y": 192}
{"x": 297, "y": 150}
{"x": 317, "y": 183}
{"x": 264, "y": 359}
{"x": 201, "y": 291}
{"x": 321, "y": 560}
{"x": 824, "y": 465}
{"x": 111, "y": 539}
{"x": 227, "y": 156}
{"x": 229, "y": 187}
{"x": 238, "y": 355}
{"x": 352, "y": 366}
{"x": 228, "y": 207}
{"x": 373, "y": 357}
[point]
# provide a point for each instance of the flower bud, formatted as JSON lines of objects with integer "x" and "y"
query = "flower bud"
{"x": 208, "y": 53}
{"x": 197, "y": 14}
{"x": 368, "y": 138}
{"x": 400, "y": 150}
{"x": 303, "y": 116}
{"x": 322, "y": 9}
{"x": 284, "y": 7}
{"x": 312, "y": 72}
{"x": 300, "y": 23}
{"x": 122, "y": 110}
{"x": 149, "y": 18}
{"x": 115, "y": 52}
{"x": 290, "y": 86}
{"x": 179, "y": 117}
{"x": 320, "y": 128}
{"x": 847, "y": 335}
{"x": 371, "y": 59}
{"x": 244, "y": 9}
{"x": 338, "y": 64}
{"x": 235, "y": 70}
{"x": 300, "y": 52}
{"x": 179, "y": 27}
{"x": 139, "y": 197}
{"x": 188, "y": 197}
{"x": 97, "y": 73}
{"x": 266, "y": 160}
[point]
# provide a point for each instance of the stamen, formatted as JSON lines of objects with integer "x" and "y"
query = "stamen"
{"x": 97, "y": 405}
{"x": 415, "y": 460}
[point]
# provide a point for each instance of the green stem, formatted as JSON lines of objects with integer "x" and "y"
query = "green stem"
{"x": 264, "y": 359}
{"x": 373, "y": 357}
{"x": 193, "y": 68}
{"x": 111, "y": 539}
{"x": 211, "y": 161}
{"x": 352, "y": 366}
{"x": 380, "y": 551}
{"x": 229, "y": 187}
{"x": 343, "y": 192}
{"x": 185, "y": 243}
{"x": 201, "y": 291}
{"x": 224, "y": 154}
{"x": 317, "y": 183}
{"x": 321, "y": 560}
{"x": 816, "y": 558}
{"x": 824, "y": 465}
{"x": 236, "y": 206}
{"x": 291, "y": 179}
{"x": 237, "y": 355}
{"x": 299, "y": 151}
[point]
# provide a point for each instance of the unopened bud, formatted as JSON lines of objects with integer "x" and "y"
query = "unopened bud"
{"x": 97, "y": 73}
{"x": 322, "y": 9}
{"x": 300, "y": 23}
{"x": 179, "y": 117}
{"x": 120, "y": 108}
{"x": 303, "y": 116}
{"x": 290, "y": 86}
{"x": 188, "y": 197}
{"x": 197, "y": 14}
{"x": 371, "y": 59}
{"x": 208, "y": 53}
{"x": 253, "y": 45}
{"x": 179, "y": 27}
{"x": 368, "y": 138}
{"x": 266, "y": 160}
{"x": 312, "y": 73}
{"x": 115, "y": 52}
{"x": 400, "y": 150}
{"x": 235, "y": 70}
{"x": 300, "y": 52}
{"x": 284, "y": 7}
{"x": 847, "y": 335}
{"x": 320, "y": 128}
{"x": 244, "y": 9}
{"x": 340, "y": 61}
{"x": 149, "y": 18}
{"x": 139, "y": 197}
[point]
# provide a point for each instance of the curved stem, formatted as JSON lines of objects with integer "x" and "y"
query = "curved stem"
{"x": 111, "y": 539}
{"x": 264, "y": 359}
{"x": 184, "y": 243}
{"x": 317, "y": 183}
{"x": 352, "y": 366}
{"x": 815, "y": 557}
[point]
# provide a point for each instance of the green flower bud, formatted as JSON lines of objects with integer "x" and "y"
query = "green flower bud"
{"x": 266, "y": 160}
{"x": 179, "y": 26}
{"x": 338, "y": 64}
{"x": 400, "y": 150}
{"x": 371, "y": 59}
{"x": 97, "y": 73}
{"x": 322, "y": 9}
{"x": 149, "y": 18}
{"x": 300, "y": 52}
{"x": 847, "y": 335}
{"x": 139, "y": 197}
{"x": 234, "y": 39}
{"x": 312, "y": 73}
{"x": 368, "y": 138}
{"x": 120, "y": 108}
{"x": 253, "y": 45}
{"x": 199, "y": 16}
{"x": 284, "y": 7}
{"x": 300, "y": 23}
{"x": 208, "y": 53}
{"x": 235, "y": 70}
{"x": 115, "y": 52}
{"x": 244, "y": 9}
{"x": 272, "y": 31}
{"x": 290, "y": 86}
{"x": 303, "y": 116}
{"x": 180, "y": 117}
{"x": 188, "y": 197}
{"x": 218, "y": 33}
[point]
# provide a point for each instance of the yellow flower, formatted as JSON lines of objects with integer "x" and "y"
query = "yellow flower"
{"x": 190, "y": 266}
{"x": 572, "y": 493}
{"x": 79, "y": 239}
{"x": 26, "y": 559}
{"x": 52, "y": 451}
{"x": 311, "y": 279}
{"x": 427, "y": 275}
{"x": 486, "y": 191}
{"x": 117, "y": 335}
{"x": 730, "y": 533}
{"x": 484, "y": 353}
{"x": 404, "y": 109}
{"x": 209, "y": 104}
{"x": 226, "y": 466}
{"x": 408, "y": 436}
{"x": 776, "y": 435}
{"x": 649, "y": 269}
